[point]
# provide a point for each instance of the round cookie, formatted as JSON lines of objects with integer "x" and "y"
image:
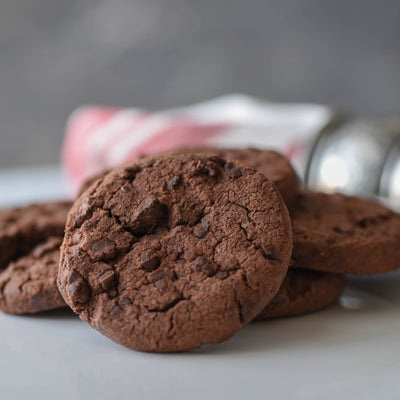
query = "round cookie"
{"x": 21, "y": 229}
{"x": 174, "y": 252}
{"x": 343, "y": 234}
{"x": 29, "y": 285}
{"x": 304, "y": 291}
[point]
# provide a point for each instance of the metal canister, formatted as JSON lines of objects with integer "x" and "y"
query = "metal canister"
{"x": 356, "y": 157}
{"x": 390, "y": 180}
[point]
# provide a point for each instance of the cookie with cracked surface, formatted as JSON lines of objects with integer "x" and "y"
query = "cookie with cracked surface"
{"x": 174, "y": 252}
{"x": 343, "y": 234}
{"x": 304, "y": 291}
{"x": 21, "y": 229}
{"x": 274, "y": 166}
{"x": 29, "y": 284}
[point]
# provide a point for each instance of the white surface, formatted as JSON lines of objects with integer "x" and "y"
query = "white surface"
{"x": 19, "y": 186}
{"x": 350, "y": 351}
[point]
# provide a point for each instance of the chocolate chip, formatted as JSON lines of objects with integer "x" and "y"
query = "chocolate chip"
{"x": 115, "y": 311}
{"x": 150, "y": 261}
{"x": 103, "y": 248}
{"x": 78, "y": 289}
{"x": 202, "y": 264}
{"x": 222, "y": 275}
{"x": 173, "y": 182}
{"x": 150, "y": 214}
{"x": 108, "y": 281}
{"x": 126, "y": 189}
{"x": 201, "y": 230}
{"x": 206, "y": 166}
{"x": 85, "y": 212}
{"x": 124, "y": 302}
{"x": 161, "y": 284}
{"x": 147, "y": 204}
{"x": 159, "y": 280}
{"x": 233, "y": 170}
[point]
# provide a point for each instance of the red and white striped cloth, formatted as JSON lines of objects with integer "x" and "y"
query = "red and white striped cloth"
{"x": 99, "y": 138}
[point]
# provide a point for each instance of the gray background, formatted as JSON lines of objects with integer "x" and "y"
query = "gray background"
{"x": 58, "y": 55}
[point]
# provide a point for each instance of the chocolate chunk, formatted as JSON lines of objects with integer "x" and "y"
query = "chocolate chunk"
{"x": 124, "y": 302}
{"x": 150, "y": 261}
{"x": 173, "y": 182}
{"x": 78, "y": 289}
{"x": 108, "y": 281}
{"x": 207, "y": 166}
{"x": 222, "y": 275}
{"x": 150, "y": 214}
{"x": 85, "y": 212}
{"x": 126, "y": 189}
{"x": 159, "y": 279}
{"x": 202, "y": 264}
{"x": 201, "y": 230}
{"x": 115, "y": 311}
{"x": 233, "y": 170}
{"x": 103, "y": 248}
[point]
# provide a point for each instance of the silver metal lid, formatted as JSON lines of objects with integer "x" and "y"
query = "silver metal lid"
{"x": 349, "y": 158}
{"x": 390, "y": 181}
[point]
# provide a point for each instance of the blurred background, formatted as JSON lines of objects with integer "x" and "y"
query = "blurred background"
{"x": 58, "y": 55}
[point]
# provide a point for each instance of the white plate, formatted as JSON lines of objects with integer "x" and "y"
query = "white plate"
{"x": 349, "y": 351}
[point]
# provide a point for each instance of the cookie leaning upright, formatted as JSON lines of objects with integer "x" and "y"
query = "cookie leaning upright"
{"x": 174, "y": 252}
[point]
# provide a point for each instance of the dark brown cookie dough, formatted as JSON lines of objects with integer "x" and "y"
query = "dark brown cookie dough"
{"x": 272, "y": 165}
{"x": 171, "y": 253}
{"x": 304, "y": 291}
{"x": 344, "y": 234}
{"x": 21, "y": 229}
{"x": 29, "y": 285}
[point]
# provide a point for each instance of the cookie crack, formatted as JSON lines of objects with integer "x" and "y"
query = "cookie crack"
{"x": 168, "y": 306}
{"x": 119, "y": 223}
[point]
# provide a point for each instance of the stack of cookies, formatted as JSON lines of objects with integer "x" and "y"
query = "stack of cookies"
{"x": 183, "y": 249}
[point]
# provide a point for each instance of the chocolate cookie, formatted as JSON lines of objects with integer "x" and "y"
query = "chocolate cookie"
{"x": 271, "y": 164}
{"x": 29, "y": 285}
{"x": 304, "y": 291}
{"x": 21, "y": 229}
{"x": 344, "y": 234}
{"x": 171, "y": 253}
